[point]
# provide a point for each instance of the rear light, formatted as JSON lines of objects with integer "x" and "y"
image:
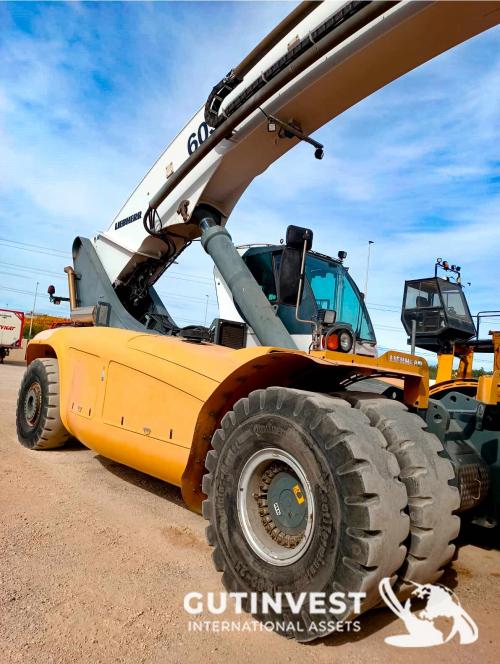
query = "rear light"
{"x": 332, "y": 341}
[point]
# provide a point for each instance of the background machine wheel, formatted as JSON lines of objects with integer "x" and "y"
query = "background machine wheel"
{"x": 38, "y": 418}
{"x": 303, "y": 495}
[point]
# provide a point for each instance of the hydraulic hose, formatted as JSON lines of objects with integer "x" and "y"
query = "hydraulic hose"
{"x": 350, "y": 17}
{"x": 224, "y": 87}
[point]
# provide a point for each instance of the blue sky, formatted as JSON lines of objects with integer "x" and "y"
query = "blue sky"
{"x": 90, "y": 93}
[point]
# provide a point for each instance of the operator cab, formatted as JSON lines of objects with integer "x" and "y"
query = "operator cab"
{"x": 438, "y": 309}
{"x": 327, "y": 287}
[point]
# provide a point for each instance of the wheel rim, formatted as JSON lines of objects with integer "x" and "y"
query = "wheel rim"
{"x": 33, "y": 404}
{"x": 276, "y": 506}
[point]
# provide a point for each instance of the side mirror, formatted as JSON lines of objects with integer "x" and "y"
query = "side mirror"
{"x": 296, "y": 236}
{"x": 292, "y": 266}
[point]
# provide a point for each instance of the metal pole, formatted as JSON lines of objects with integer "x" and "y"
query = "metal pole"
{"x": 206, "y": 310}
{"x": 33, "y": 311}
{"x": 370, "y": 242}
{"x": 413, "y": 335}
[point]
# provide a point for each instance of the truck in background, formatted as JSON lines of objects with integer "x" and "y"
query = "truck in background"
{"x": 11, "y": 331}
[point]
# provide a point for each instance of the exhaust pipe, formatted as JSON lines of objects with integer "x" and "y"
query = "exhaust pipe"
{"x": 81, "y": 315}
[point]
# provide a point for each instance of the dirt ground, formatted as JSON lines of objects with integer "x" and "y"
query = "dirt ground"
{"x": 95, "y": 560}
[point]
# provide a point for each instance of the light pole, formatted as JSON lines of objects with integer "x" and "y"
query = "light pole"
{"x": 33, "y": 311}
{"x": 206, "y": 309}
{"x": 370, "y": 242}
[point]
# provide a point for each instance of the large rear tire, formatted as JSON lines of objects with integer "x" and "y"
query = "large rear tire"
{"x": 38, "y": 417}
{"x": 302, "y": 495}
{"x": 426, "y": 475}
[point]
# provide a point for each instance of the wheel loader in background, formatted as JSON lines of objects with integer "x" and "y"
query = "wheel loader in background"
{"x": 308, "y": 483}
{"x": 464, "y": 411}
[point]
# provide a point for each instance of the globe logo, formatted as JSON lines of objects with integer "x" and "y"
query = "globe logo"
{"x": 440, "y": 602}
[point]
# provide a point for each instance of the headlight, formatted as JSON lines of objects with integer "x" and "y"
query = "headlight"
{"x": 345, "y": 341}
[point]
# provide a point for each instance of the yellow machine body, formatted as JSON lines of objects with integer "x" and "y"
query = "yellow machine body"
{"x": 153, "y": 402}
{"x": 485, "y": 388}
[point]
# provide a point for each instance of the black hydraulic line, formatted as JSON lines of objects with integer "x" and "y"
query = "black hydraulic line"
{"x": 329, "y": 39}
{"x": 291, "y": 56}
{"x": 276, "y": 35}
{"x": 224, "y": 87}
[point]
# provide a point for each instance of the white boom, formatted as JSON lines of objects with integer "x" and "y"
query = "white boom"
{"x": 347, "y": 51}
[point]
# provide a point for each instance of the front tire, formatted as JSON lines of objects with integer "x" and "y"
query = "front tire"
{"x": 38, "y": 418}
{"x": 427, "y": 474}
{"x": 303, "y": 496}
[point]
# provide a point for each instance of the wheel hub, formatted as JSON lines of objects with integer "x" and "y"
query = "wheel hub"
{"x": 275, "y": 506}
{"x": 33, "y": 404}
{"x": 282, "y": 505}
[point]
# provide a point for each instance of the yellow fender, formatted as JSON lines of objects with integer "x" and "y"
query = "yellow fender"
{"x": 153, "y": 402}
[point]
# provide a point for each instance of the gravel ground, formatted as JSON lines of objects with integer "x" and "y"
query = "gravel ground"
{"x": 95, "y": 560}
